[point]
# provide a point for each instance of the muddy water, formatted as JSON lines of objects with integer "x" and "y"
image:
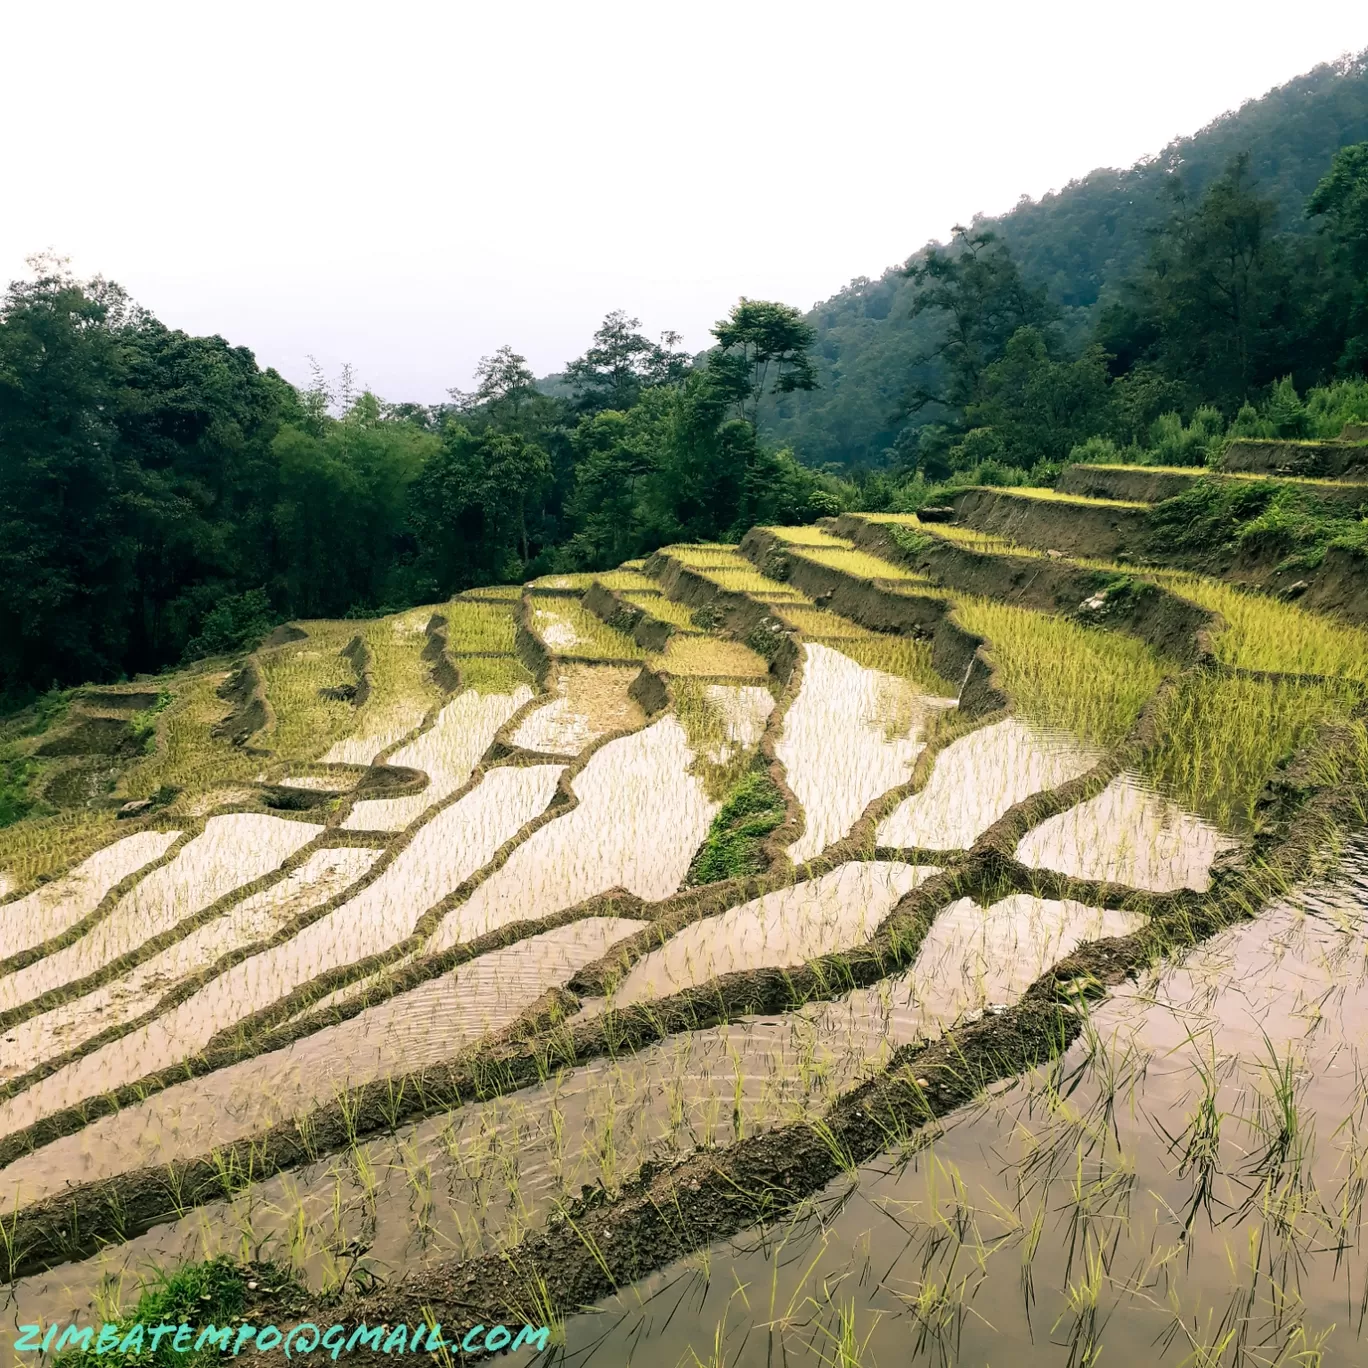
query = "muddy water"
{"x": 477, "y": 1179}
{"x": 851, "y": 734}
{"x": 51, "y": 909}
{"x": 420, "y": 1027}
{"x": 744, "y": 709}
{"x": 325, "y": 873}
{"x": 1127, "y": 834}
{"x": 641, "y": 816}
{"x": 590, "y": 701}
{"x": 447, "y": 753}
{"x": 977, "y": 778}
{"x": 443, "y": 853}
{"x": 1070, "y": 1218}
{"x": 232, "y": 851}
{"x": 788, "y": 927}
{"x": 379, "y": 729}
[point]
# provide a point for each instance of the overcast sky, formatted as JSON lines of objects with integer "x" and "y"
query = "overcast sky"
{"x": 406, "y": 186}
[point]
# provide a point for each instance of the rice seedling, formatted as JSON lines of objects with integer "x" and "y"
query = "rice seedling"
{"x": 1055, "y": 496}
{"x": 54, "y": 907}
{"x": 303, "y": 682}
{"x": 1089, "y": 682}
{"x": 494, "y": 674}
{"x": 860, "y": 563}
{"x": 788, "y": 927}
{"x": 447, "y": 752}
{"x": 977, "y": 778}
{"x": 510, "y": 592}
{"x": 1264, "y": 633}
{"x": 724, "y": 724}
{"x": 569, "y": 629}
{"x": 629, "y": 579}
{"x": 1057, "y": 1169}
{"x": 709, "y": 656}
{"x": 850, "y": 735}
{"x": 641, "y": 815}
{"x": 1222, "y": 737}
{"x": 666, "y": 610}
{"x": 189, "y": 756}
{"x": 590, "y": 701}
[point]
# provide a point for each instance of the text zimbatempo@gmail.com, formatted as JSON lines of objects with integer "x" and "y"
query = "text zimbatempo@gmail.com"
{"x": 298, "y": 1341}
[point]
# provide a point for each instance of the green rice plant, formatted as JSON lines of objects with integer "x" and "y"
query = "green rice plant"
{"x": 1054, "y": 496}
{"x": 567, "y": 628}
{"x": 666, "y": 610}
{"x": 295, "y": 675}
{"x": 1264, "y": 633}
{"x": 628, "y": 579}
{"x": 492, "y": 591}
{"x": 746, "y": 579}
{"x": 820, "y": 624}
{"x": 39, "y": 846}
{"x": 906, "y": 657}
{"x": 709, "y": 656}
{"x": 1222, "y": 737}
{"x": 723, "y": 725}
{"x": 851, "y": 561}
{"x": 808, "y": 536}
{"x": 190, "y": 757}
{"x": 493, "y": 674}
{"x": 1088, "y": 681}
{"x": 478, "y": 627}
{"x": 705, "y": 553}
{"x": 579, "y": 580}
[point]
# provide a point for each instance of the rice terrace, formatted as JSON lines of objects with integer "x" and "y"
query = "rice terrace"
{"x": 880, "y": 940}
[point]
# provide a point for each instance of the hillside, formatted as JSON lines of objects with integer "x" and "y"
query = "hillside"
{"x": 485, "y": 962}
{"x": 1080, "y": 242}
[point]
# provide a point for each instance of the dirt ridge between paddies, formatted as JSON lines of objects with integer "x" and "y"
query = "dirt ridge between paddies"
{"x": 1169, "y": 623}
{"x": 251, "y": 1035}
{"x": 281, "y": 1023}
{"x": 77, "y": 1221}
{"x": 592, "y": 1248}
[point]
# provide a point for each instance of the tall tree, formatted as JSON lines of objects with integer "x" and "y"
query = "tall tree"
{"x": 1215, "y": 302}
{"x": 1340, "y": 200}
{"x": 620, "y": 363}
{"x": 982, "y": 301}
{"x": 757, "y": 336}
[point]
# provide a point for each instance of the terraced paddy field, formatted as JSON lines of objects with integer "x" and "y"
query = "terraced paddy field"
{"x": 869, "y": 943}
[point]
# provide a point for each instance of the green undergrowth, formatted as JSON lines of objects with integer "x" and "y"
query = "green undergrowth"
{"x": 1086, "y": 680}
{"x": 733, "y": 847}
{"x": 1222, "y": 736}
{"x": 215, "y": 1292}
{"x": 19, "y": 733}
{"x": 1268, "y": 517}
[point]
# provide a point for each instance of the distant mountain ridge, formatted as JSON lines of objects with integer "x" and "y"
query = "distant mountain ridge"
{"x": 1080, "y": 242}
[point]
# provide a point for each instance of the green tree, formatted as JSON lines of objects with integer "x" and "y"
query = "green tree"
{"x": 470, "y": 506}
{"x": 1216, "y": 295}
{"x": 982, "y": 301}
{"x": 1341, "y": 201}
{"x": 1039, "y": 407}
{"x": 67, "y": 549}
{"x": 756, "y": 336}
{"x": 621, "y": 363}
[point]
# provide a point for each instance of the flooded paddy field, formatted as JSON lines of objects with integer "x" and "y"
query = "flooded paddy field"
{"x": 775, "y": 953}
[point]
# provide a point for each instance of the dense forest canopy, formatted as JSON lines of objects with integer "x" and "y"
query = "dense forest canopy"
{"x": 1080, "y": 245}
{"x": 162, "y": 497}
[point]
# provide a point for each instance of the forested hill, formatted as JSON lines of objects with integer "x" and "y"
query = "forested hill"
{"x": 1080, "y": 243}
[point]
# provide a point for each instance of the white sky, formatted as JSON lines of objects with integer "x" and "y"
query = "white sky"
{"x": 408, "y": 185}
